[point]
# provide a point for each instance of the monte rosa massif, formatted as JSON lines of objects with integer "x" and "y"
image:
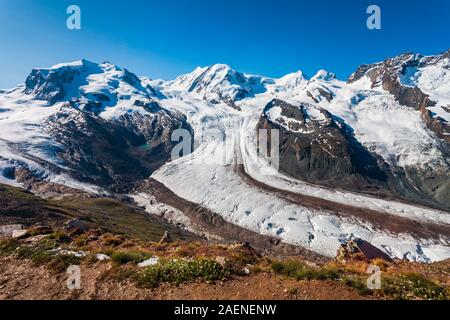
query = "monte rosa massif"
{"x": 365, "y": 158}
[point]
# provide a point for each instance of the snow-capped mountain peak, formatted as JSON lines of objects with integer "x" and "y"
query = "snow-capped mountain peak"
{"x": 202, "y": 77}
{"x": 323, "y": 75}
{"x": 218, "y": 83}
{"x": 292, "y": 80}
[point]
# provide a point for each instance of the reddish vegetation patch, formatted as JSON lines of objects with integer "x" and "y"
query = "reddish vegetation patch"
{"x": 20, "y": 280}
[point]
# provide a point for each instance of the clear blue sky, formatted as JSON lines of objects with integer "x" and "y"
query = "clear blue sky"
{"x": 162, "y": 39}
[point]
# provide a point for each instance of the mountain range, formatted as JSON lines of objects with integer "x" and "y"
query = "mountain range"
{"x": 368, "y": 157}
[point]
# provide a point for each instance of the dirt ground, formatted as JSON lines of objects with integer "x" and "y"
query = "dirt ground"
{"x": 20, "y": 280}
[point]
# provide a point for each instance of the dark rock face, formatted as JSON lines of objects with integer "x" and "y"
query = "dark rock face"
{"x": 322, "y": 151}
{"x": 114, "y": 154}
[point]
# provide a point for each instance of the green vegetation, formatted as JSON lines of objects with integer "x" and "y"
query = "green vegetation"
{"x": 8, "y": 246}
{"x": 36, "y": 255}
{"x": 359, "y": 283}
{"x": 39, "y": 254}
{"x": 60, "y": 237}
{"x": 124, "y": 257}
{"x": 111, "y": 240}
{"x": 399, "y": 287}
{"x": 301, "y": 271}
{"x": 413, "y": 286}
{"x": 177, "y": 272}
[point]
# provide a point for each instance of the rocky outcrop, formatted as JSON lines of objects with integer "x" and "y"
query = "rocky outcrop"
{"x": 321, "y": 149}
{"x": 7, "y": 230}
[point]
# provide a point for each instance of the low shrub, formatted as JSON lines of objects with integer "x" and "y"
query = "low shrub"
{"x": 240, "y": 259}
{"x": 124, "y": 257}
{"x": 301, "y": 271}
{"x": 8, "y": 247}
{"x": 177, "y": 272}
{"x": 60, "y": 237}
{"x": 413, "y": 286}
{"x": 359, "y": 283}
{"x": 60, "y": 263}
{"x": 41, "y": 254}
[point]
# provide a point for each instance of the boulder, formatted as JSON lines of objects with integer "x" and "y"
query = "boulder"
{"x": 358, "y": 249}
{"x": 20, "y": 234}
{"x": 149, "y": 262}
{"x": 35, "y": 239}
{"x": 102, "y": 257}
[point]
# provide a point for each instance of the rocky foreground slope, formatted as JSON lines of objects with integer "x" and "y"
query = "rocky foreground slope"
{"x": 34, "y": 264}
